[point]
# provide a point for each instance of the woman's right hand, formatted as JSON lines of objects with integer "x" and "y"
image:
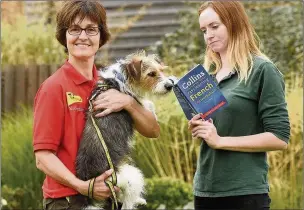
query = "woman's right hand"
{"x": 101, "y": 191}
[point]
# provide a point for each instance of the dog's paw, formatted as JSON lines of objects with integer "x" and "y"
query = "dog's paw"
{"x": 141, "y": 201}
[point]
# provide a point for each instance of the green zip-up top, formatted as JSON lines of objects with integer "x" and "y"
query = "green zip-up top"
{"x": 255, "y": 107}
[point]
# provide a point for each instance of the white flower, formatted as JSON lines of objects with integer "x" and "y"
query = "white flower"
{"x": 158, "y": 43}
{"x": 168, "y": 34}
{"x": 4, "y": 202}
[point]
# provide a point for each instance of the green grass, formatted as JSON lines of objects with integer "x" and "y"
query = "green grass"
{"x": 286, "y": 167}
{"x": 18, "y": 162}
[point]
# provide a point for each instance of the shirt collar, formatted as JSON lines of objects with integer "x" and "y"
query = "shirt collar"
{"x": 233, "y": 72}
{"x": 76, "y": 76}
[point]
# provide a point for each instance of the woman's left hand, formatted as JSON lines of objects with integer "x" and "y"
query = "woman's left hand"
{"x": 205, "y": 130}
{"x": 112, "y": 101}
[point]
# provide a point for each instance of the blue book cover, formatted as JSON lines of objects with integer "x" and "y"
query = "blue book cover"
{"x": 197, "y": 92}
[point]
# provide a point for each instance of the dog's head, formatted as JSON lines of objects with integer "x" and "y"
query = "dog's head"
{"x": 145, "y": 72}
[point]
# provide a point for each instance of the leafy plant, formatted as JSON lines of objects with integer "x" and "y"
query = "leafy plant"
{"x": 172, "y": 193}
{"x": 14, "y": 196}
{"x": 279, "y": 27}
{"x": 22, "y": 43}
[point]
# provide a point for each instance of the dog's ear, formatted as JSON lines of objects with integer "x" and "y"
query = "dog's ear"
{"x": 133, "y": 69}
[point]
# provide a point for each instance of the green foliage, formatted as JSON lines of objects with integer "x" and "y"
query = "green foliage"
{"x": 184, "y": 48}
{"x": 165, "y": 103}
{"x": 173, "y": 154}
{"x": 22, "y": 43}
{"x": 279, "y": 26}
{"x": 14, "y": 196}
{"x": 19, "y": 172}
{"x": 172, "y": 193}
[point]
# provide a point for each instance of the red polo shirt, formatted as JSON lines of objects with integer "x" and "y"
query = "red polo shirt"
{"x": 59, "y": 118}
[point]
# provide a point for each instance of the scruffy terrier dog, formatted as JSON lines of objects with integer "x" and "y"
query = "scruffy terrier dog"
{"x": 135, "y": 75}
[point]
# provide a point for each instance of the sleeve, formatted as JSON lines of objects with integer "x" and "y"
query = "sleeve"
{"x": 48, "y": 118}
{"x": 272, "y": 106}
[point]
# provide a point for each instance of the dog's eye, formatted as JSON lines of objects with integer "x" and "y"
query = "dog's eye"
{"x": 152, "y": 74}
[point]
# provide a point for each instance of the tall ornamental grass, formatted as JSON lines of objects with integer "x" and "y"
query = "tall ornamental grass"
{"x": 286, "y": 167}
{"x": 21, "y": 181}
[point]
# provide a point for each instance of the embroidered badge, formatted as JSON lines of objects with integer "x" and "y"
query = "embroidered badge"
{"x": 71, "y": 98}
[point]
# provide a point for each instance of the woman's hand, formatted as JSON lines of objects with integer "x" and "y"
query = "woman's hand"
{"x": 100, "y": 191}
{"x": 112, "y": 101}
{"x": 205, "y": 130}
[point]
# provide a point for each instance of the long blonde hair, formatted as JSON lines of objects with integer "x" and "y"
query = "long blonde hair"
{"x": 243, "y": 41}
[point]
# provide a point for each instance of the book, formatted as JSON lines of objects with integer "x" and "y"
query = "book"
{"x": 197, "y": 92}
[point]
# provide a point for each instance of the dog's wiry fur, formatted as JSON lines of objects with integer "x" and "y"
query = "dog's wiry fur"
{"x": 135, "y": 75}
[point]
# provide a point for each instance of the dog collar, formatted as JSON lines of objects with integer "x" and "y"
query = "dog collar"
{"x": 119, "y": 76}
{"x": 100, "y": 88}
{"x": 103, "y": 86}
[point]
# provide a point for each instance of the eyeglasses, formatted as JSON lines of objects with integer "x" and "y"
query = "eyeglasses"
{"x": 76, "y": 30}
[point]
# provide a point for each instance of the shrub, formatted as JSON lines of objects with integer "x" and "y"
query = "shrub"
{"x": 22, "y": 43}
{"x": 172, "y": 193}
{"x": 14, "y": 196}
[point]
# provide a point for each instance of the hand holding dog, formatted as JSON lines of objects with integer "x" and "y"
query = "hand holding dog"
{"x": 205, "y": 130}
{"x": 101, "y": 191}
{"x": 112, "y": 101}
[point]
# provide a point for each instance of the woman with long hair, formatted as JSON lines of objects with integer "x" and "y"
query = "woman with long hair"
{"x": 232, "y": 167}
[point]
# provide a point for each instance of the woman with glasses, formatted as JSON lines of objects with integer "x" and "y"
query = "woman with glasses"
{"x": 61, "y": 102}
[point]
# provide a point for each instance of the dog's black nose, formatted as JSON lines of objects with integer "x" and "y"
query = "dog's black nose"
{"x": 171, "y": 80}
{"x": 168, "y": 86}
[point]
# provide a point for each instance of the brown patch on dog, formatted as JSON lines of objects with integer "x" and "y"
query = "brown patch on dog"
{"x": 144, "y": 72}
{"x": 149, "y": 83}
{"x": 133, "y": 69}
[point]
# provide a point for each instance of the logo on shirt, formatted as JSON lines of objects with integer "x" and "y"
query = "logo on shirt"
{"x": 71, "y": 98}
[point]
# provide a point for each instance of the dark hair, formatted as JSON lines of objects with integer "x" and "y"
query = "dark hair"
{"x": 84, "y": 9}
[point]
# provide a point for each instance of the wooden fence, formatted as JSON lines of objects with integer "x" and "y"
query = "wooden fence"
{"x": 20, "y": 84}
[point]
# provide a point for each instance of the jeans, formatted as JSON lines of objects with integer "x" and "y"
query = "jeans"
{"x": 251, "y": 202}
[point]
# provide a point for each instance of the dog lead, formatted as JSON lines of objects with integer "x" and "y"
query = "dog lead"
{"x": 110, "y": 184}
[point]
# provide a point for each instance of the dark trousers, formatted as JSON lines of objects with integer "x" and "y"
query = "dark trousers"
{"x": 75, "y": 202}
{"x": 71, "y": 203}
{"x": 251, "y": 202}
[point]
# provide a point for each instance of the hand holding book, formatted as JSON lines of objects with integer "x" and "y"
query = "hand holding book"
{"x": 197, "y": 93}
{"x": 206, "y": 131}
